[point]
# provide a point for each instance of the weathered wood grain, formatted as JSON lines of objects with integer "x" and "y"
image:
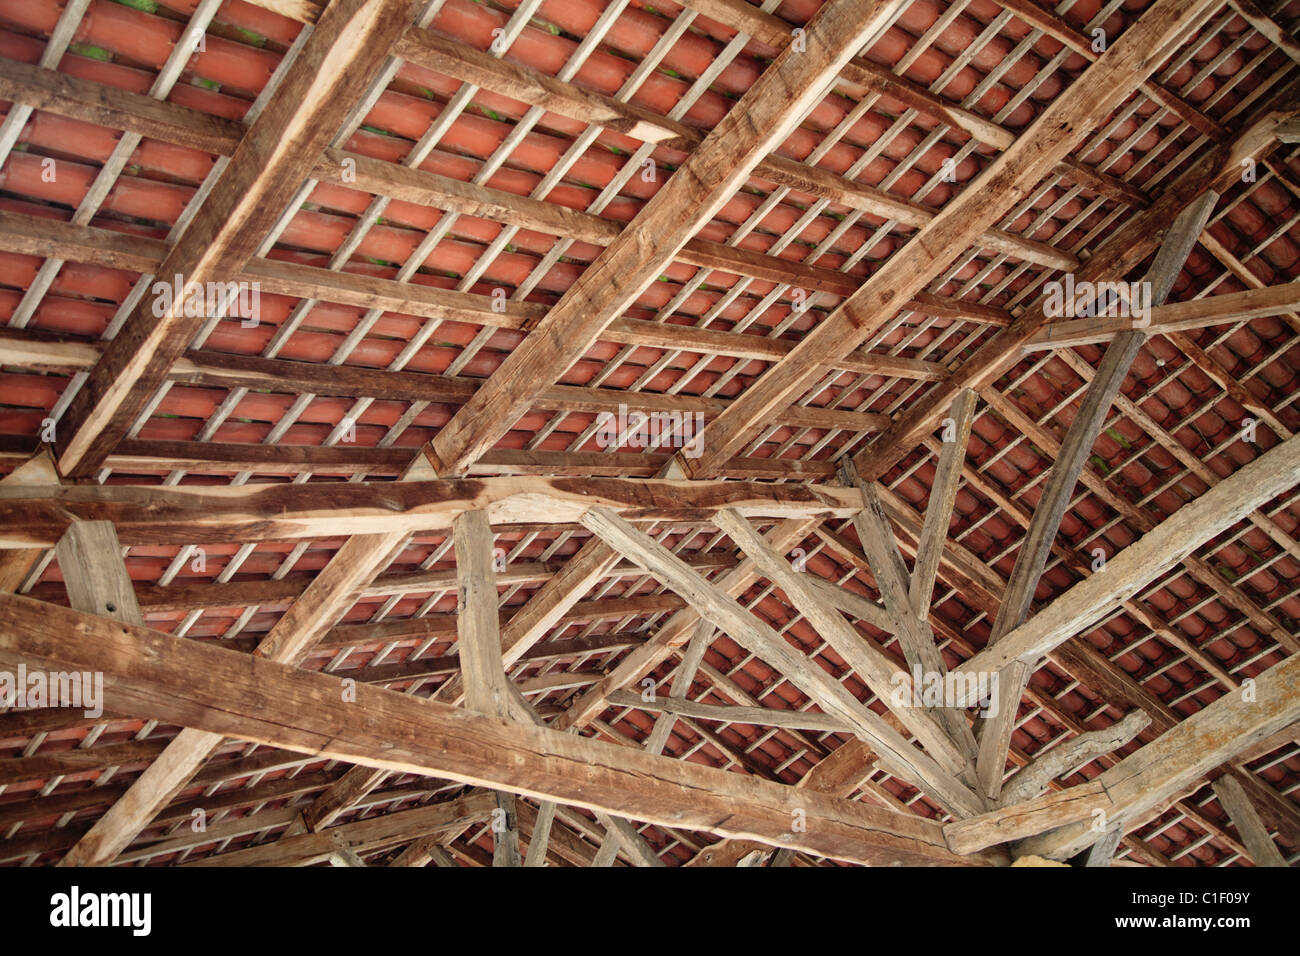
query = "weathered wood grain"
{"x": 38, "y": 516}
{"x": 225, "y": 692}
{"x": 1150, "y": 556}
{"x": 1178, "y": 758}
{"x": 1020, "y": 820}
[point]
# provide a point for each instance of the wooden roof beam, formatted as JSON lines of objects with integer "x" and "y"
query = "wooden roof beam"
{"x": 328, "y": 596}
{"x": 1012, "y": 176}
{"x": 1236, "y": 804}
{"x": 478, "y": 644}
{"x": 133, "y": 457}
{"x": 95, "y": 103}
{"x": 225, "y": 692}
{"x": 754, "y": 126}
{"x": 733, "y": 713}
{"x": 930, "y": 772}
{"x": 1198, "y": 568}
{"x": 1048, "y": 811}
{"x": 1239, "y": 270}
{"x": 1037, "y": 777}
{"x": 223, "y": 370}
{"x": 1175, "y": 317}
{"x": 893, "y": 581}
{"x": 674, "y": 633}
{"x": 938, "y": 512}
{"x": 348, "y": 44}
{"x": 32, "y": 516}
{"x": 1275, "y": 810}
{"x": 876, "y": 670}
{"x": 1124, "y": 250}
{"x": 1252, "y": 485}
{"x": 1183, "y": 755}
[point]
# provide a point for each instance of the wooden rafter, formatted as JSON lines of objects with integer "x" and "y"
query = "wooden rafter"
{"x": 38, "y": 515}
{"x": 865, "y": 74}
{"x": 674, "y": 633}
{"x": 1178, "y": 317}
{"x": 913, "y": 633}
{"x": 1031, "y": 560}
{"x": 1232, "y": 797}
{"x": 761, "y": 120}
{"x": 1096, "y": 671}
{"x": 1267, "y": 26}
{"x": 938, "y": 513}
{"x": 1120, "y": 253}
{"x": 930, "y": 773}
{"x": 1263, "y": 479}
{"x": 1147, "y": 778}
{"x": 345, "y": 48}
{"x": 1051, "y": 136}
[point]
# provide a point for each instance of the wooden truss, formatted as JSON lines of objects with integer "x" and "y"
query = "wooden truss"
{"x": 570, "y": 708}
